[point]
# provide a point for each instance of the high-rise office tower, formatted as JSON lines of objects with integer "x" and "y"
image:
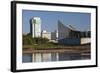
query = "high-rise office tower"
{"x": 35, "y": 27}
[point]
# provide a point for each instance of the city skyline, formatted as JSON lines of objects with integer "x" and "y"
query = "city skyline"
{"x": 49, "y": 20}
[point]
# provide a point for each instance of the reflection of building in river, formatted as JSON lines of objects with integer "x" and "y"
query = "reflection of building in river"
{"x": 57, "y": 54}
{"x": 47, "y": 57}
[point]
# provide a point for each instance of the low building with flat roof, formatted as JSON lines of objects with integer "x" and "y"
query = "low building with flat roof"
{"x": 49, "y": 35}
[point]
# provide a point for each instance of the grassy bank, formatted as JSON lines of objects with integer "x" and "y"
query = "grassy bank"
{"x": 48, "y": 45}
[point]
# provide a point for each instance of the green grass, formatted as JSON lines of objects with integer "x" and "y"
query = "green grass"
{"x": 49, "y": 45}
{"x": 44, "y": 46}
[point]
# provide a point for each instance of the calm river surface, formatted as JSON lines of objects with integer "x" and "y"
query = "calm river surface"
{"x": 47, "y": 57}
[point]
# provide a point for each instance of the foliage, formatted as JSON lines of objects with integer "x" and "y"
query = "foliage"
{"x": 38, "y": 42}
{"x": 29, "y": 40}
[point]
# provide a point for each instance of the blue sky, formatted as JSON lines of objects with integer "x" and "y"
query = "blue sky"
{"x": 80, "y": 21}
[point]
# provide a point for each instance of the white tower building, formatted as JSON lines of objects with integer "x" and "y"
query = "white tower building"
{"x": 36, "y": 27}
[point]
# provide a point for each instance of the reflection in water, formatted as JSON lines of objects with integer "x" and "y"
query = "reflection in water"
{"x": 27, "y": 58}
{"x": 47, "y": 57}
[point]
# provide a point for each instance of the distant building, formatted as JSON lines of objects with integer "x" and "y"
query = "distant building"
{"x": 70, "y": 36}
{"x": 46, "y": 34}
{"x": 63, "y": 31}
{"x": 67, "y": 35}
{"x": 49, "y": 35}
{"x": 35, "y": 27}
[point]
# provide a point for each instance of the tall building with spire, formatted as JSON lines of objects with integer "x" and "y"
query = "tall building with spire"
{"x": 35, "y": 27}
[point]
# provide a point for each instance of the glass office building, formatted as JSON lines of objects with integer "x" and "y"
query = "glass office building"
{"x": 35, "y": 27}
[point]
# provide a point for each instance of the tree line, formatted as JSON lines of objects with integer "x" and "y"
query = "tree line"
{"x": 29, "y": 40}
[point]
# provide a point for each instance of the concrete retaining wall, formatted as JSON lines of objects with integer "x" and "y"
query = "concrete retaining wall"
{"x": 85, "y": 40}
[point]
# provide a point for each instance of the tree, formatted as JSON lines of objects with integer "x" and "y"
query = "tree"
{"x": 29, "y": 40}
{"x": 40, "y": 40}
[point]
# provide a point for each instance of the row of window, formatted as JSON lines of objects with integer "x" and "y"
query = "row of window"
{"x": 79, "y": 34}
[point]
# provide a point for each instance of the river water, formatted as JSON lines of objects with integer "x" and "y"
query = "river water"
{"x": 49, "y": 57}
